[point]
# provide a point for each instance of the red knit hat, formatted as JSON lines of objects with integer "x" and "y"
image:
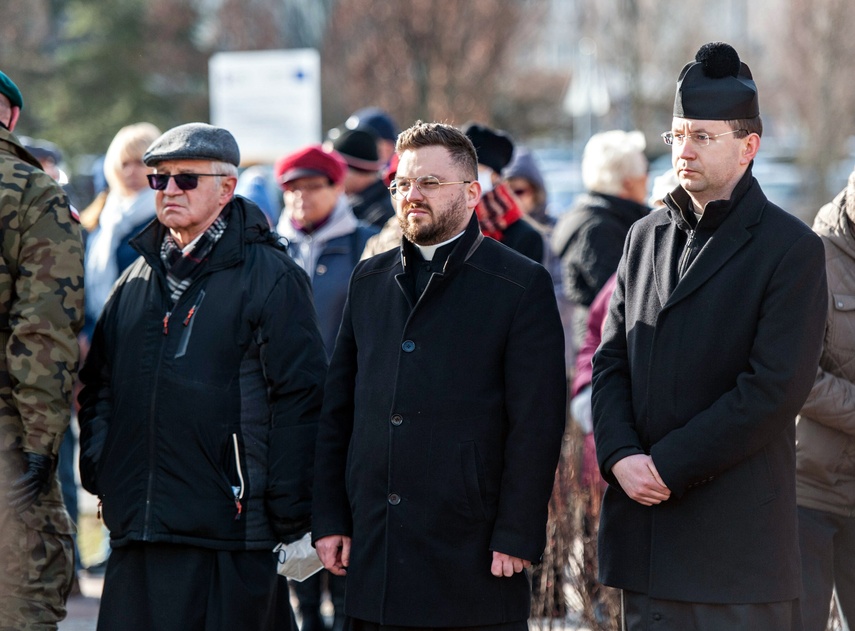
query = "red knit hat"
{"x": 310, "y": 161}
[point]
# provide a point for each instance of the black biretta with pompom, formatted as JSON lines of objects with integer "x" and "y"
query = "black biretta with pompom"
{"x": 716, "y": 86}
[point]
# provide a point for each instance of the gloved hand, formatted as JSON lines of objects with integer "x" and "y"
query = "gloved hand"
{"x": 34, "y": 481}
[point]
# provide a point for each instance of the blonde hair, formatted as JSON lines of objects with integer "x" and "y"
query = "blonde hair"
{"x": 129, "y": 144}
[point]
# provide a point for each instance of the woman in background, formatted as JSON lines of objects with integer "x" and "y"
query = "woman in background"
{"x": 116, "y": 215}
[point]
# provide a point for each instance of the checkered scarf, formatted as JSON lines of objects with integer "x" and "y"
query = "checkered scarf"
{"x": 181, "y": 267}
{"x": 496, "y": 211}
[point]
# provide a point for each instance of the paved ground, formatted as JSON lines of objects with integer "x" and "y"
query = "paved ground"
{"x": 83, "y": 611}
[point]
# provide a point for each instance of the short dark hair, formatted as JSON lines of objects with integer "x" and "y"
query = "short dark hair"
{"x": 750, "y": 125}
{"x": 423, "y": 134}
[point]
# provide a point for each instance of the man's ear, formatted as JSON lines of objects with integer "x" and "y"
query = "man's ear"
{"x": 473, "y": 193}
{"x": 228, "y": 184}
{"x": 16, "y": 112}
{"x": 749, "y": 148}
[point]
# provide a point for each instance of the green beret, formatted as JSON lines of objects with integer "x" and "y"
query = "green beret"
{"x": 8, "y": 88}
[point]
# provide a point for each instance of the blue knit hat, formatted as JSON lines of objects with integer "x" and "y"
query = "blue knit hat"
{"x": 376, "y": 120}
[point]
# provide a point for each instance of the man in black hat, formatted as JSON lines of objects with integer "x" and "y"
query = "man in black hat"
{"x": 199, "y": 406}
{"x": 499, "y": 213}
{"x": 368, "y": 196}
{"x": 709, "y": 350}
{"x": 380, "y": 122}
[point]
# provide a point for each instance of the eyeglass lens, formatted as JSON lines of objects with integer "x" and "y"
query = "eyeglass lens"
{"x": 184, "y": 181}
{"x": 425, "y": 184}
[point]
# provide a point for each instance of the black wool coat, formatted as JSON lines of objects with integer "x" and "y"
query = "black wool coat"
{"x": 706, "y": 373}
{"x": 440, "y": 434}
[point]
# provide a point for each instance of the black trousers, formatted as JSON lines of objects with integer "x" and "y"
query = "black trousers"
{"x": 171, "y": 587}
{"x": 354, "y": 624}
{"x": 827, "y": 544}
{"x": 639, "y": 612}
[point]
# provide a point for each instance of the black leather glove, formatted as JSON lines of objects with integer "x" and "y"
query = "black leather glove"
{"x": 34, "y": 481}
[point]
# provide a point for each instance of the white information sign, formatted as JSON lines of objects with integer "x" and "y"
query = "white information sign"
{"x": 270, "y": 100}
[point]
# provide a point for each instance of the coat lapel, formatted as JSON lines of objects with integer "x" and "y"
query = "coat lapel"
{"x": 664, "y": 264}
{"x": 727, "y": 240}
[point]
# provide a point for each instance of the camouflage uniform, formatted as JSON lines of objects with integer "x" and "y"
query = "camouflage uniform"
{"x": 41, "y": 307}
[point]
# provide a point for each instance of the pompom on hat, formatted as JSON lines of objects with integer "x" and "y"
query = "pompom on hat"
{"x": 716, "y": 86}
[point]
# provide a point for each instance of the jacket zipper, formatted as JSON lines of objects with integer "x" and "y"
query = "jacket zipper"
{"x": 188, "y": 325}
{"x": 684, "y": 260}
{"x": 238, "y": 490}
{"x": 152, "y": 451}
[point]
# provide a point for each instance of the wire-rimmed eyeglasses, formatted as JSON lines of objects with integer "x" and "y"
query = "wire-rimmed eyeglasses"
{"x": 700, "y": 138}
{"x": 427, "y": 185}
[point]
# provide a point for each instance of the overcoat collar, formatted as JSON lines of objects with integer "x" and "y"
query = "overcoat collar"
{"x": 732, "y": 221}
{"x": 246, "y": 223}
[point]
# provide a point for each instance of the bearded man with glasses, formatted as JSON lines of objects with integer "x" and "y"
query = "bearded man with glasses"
{"x": 199, "y": 406}
{"x": 709, "y": 349}
{"x": 443, "y": 413}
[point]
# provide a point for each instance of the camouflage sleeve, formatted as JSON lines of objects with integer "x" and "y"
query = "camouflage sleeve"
{"x": 45, "y": 314}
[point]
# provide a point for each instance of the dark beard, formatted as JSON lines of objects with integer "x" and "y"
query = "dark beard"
{"x": 444, "y": 226}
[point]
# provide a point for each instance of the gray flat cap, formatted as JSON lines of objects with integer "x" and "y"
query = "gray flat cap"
{"x": 194, "y": 141}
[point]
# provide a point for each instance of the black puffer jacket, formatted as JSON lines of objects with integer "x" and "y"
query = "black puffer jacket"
{"x": 198, "y": 421}
{"x": 589, "y": 240}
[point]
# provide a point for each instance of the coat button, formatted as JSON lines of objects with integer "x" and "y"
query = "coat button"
{"x": 321, "y": 270}
{"x": 394, "y": 499}
{"x": 397, "y": 419}
{"x": 409, "y": 346}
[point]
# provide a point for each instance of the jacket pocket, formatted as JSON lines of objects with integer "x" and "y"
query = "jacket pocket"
{"x": 842, "y": 323}
{"x": 474, "y": 479}
{"x": 234, "y": 474}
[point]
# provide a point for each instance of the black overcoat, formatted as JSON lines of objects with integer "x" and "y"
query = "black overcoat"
{"x": 440, "y": 434}
{"x": 706, "y": 374}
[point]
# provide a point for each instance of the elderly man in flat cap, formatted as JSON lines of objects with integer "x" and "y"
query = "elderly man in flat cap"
{"x": 41, "y": 312}
{"x": 709, "y": 350}
{"x": 199, "y": 404}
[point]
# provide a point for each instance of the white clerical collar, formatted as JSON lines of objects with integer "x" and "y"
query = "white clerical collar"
{"x": 428, "y": 251}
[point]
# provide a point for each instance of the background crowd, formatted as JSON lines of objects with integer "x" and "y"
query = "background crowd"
{"x": 329, "y": 207}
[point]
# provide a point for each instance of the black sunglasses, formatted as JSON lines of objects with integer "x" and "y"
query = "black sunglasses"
{"x": 184, "y": 181}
